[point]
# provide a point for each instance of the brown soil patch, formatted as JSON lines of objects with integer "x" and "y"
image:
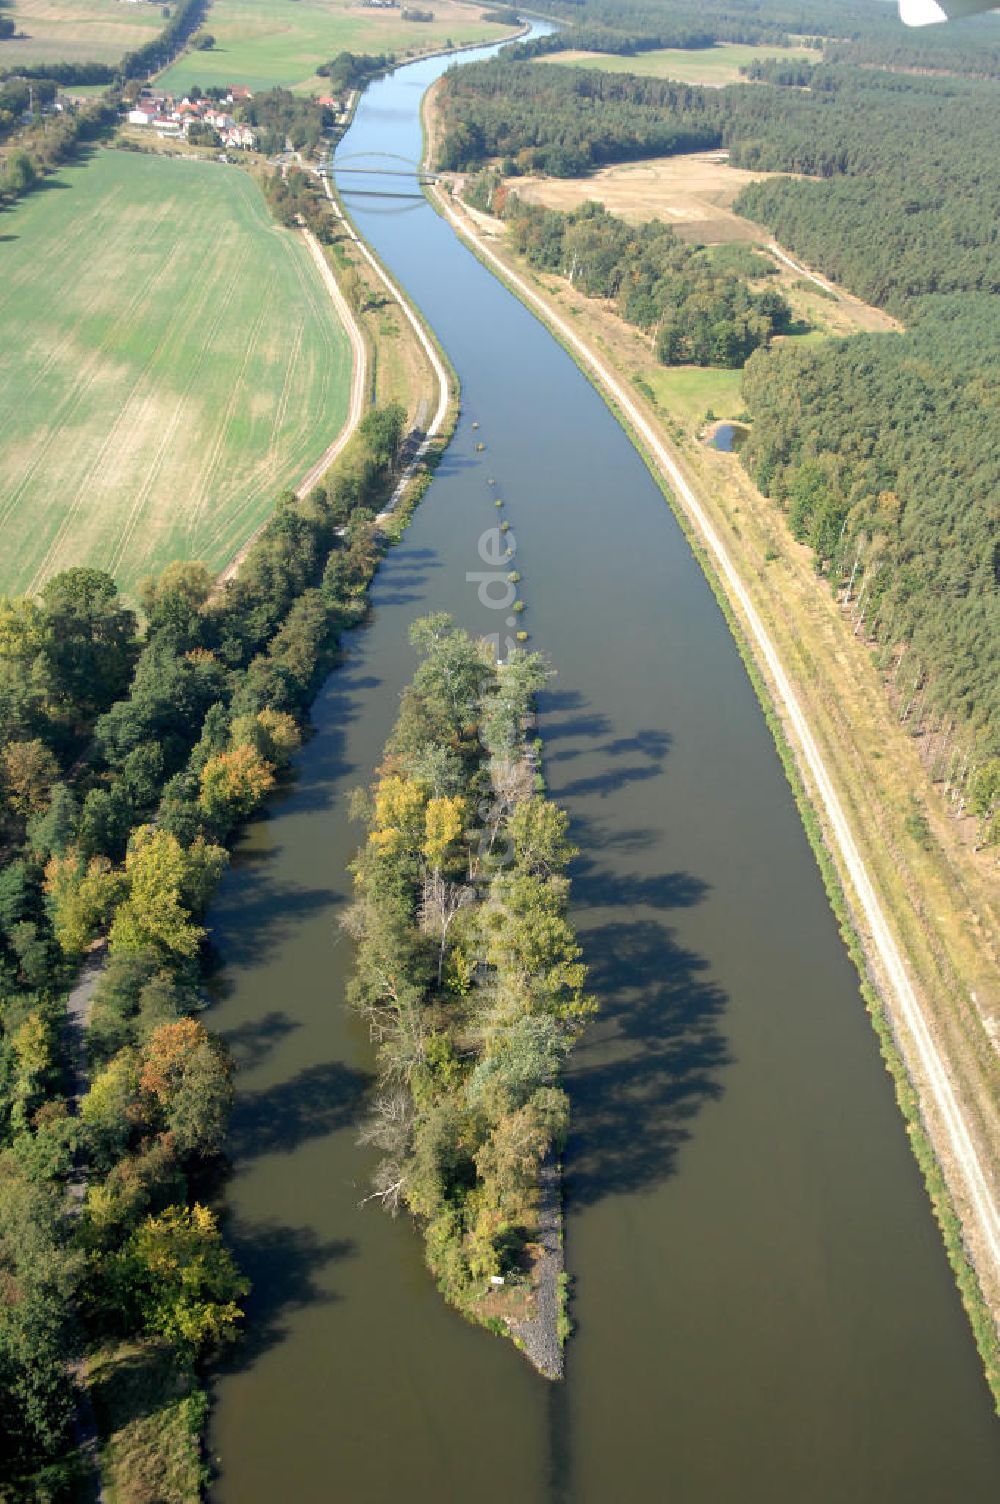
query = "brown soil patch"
{"x": 693, "y": 193}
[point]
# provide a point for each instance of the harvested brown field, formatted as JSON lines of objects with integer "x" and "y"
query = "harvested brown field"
{"x": 694, "y": 193}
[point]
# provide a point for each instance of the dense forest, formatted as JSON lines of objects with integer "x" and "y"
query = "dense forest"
{"x": 126, "y": 759}
{"x": 697, "y": 310}
{"x": 854, "y": 31}
{"x": 566, "y": 121}
{"x": 884, "y": 451}
{"x": 883, "y": 448}
{"x": 468, "y": 972}
{"x": 909, "y": 200}
{"x": 628, "y": 28}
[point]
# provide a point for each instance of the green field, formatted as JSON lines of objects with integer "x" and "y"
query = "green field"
{"x": 169, "y": 361}
{"x": 690, "y": 391}
{"x": 266, "y": 42}
{"x": 78, "y": 31}
{"x": 709, "y": 65}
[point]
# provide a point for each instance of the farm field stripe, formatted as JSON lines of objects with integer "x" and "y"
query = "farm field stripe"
{"x": 124, "y": 414}
{"x": 98, "y": 350}
{"x": 215, "y": 457}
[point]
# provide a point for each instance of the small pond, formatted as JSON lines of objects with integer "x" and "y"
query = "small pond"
{"x": 727, "y": 436}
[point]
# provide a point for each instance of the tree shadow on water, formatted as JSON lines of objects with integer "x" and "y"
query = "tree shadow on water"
{"x": 323, "y": 762}
{"x": 596, "y": 887}
{"x": 649, "y": 1064}
{"x": 609, "y": 781}
{"x": 318, "y": 1100}
{"x": 586, "y": 726}
{"x": 404, "y": 578}
{"x": 284, "y": 1265}
{"x": 255, "y": 917}
{"x": 565, "y": 717}
{"x": 250, "y": 1043}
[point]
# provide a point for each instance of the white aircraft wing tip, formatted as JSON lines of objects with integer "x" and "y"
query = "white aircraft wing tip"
{"x": 921, "y": 12}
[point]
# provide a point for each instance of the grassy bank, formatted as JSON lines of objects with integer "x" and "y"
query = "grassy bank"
{"x": 150, "y": 1414}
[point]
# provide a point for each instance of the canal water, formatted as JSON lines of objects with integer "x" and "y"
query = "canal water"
{"x": 763, "y": 1308}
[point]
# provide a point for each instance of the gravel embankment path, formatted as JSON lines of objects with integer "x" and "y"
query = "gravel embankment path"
{"x": 540, "y": 1334}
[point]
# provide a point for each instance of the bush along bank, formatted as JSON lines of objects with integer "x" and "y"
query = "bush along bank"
{"x": 469, "y": 977}
{"x": 125, "y": 763}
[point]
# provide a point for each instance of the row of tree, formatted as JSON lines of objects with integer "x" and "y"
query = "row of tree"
{"x": 294, "y": 197}
{"x": 125, "y": 762}
{"x": 44, "y": 145}
{"x": 697, "y": 311}
{"x": 468, "y": 972}
{"x": 183, "y": 23}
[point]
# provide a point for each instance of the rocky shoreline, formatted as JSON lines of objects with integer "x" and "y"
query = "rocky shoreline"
{"x": 538, "y": 1336}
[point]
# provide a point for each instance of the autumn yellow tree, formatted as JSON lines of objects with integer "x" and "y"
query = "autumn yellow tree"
{"x": 233, "y": 784}
{"x": 181, "y": 1281}
{"x": 111, "y": 1111}
{"x": 82, "y": 896}
{"x": 444, "y": 821}
{"x": 28, "y": 772}
{"x": 398, "y": 820}
{"x": 274, "y": 733}
{"x": 186, "y": 1073}
{"x": 166, "y": 883}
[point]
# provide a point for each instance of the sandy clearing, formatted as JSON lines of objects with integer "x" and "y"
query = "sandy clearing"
{"x": 694, "y": 192}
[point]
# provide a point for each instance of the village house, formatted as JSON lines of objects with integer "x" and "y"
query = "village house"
{"x": 240, "y": 136}
{"x": 171, "y": 120}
